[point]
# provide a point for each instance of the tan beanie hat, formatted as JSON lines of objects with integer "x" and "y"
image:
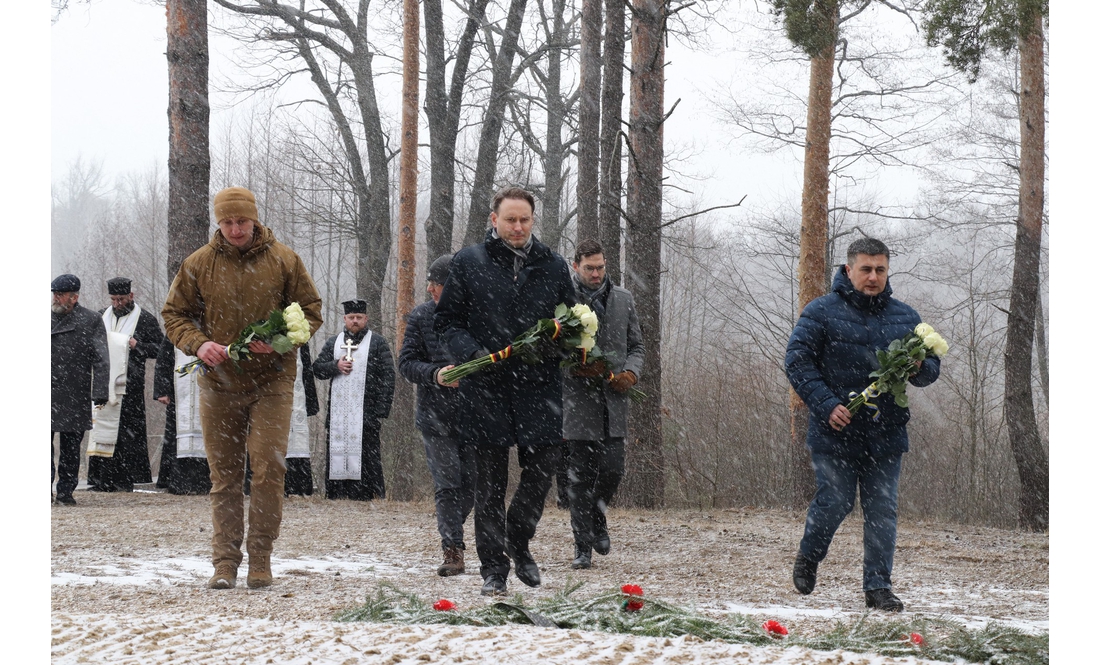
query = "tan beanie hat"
{"x": 235, "y": 202}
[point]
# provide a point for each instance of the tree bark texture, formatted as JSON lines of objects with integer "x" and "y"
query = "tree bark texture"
{"x": 1027, "y": 445}
{"x": 644, "y": 482}
{"x": 551, "y": 222}
{"x": 611, "y": 119}
{"x": 481, "y": 195}
{"x": 442, "y": 109}
{"x": 588, "y": 123}
{"x": 812, "y": 272}
{"x": 188, "y": 131}
{"x": 404, "y": 400}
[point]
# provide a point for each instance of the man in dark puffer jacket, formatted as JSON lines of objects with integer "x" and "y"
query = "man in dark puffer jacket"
{"x": 829, "y": 357}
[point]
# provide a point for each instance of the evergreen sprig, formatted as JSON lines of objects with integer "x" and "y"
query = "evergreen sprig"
{"x": 943, "y": 639}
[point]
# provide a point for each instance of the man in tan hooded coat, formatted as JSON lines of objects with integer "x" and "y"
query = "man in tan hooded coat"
{"x": 235, "y": 280}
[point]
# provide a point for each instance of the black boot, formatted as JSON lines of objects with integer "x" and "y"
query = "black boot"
{"x": 883, "y": 599}
{"x": 583, "y": 557}
{"x": 495, "y": 585}
{"x": 805, "y": 574}
{"x": 526, "y": 569}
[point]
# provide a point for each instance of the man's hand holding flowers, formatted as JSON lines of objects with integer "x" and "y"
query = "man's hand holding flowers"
{"x": 897, "y": 364}
{"x": 623, "y": 381}
{"x": 281, "y": 332}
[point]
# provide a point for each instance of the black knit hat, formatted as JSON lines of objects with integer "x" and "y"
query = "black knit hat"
{"x": 439, "y": 269}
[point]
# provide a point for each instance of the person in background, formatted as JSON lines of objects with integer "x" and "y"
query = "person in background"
{"x": 359, "y": 363}
{"x": 453, "y": 466}
{"x": 596, "y": 408}
{"x": 78, "y": 379}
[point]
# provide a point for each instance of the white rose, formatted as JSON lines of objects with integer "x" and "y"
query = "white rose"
{"x": 587, "y": 342}
{"x": 937, "y": 343}
{"x": 590, "y": 322}
{"x": 923, "y": 330}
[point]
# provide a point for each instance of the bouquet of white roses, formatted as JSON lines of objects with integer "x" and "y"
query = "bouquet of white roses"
{"x": 283, "y": 330}
{"x": 571, "y": 328}
{"x": 896, "y": 364}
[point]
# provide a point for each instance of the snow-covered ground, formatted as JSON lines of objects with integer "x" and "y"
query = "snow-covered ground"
{"x": 128, "y": 574}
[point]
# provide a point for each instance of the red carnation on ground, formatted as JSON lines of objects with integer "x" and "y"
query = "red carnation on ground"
{"x": 775, "y": 629}
{"x": 443, "y": 605}
{"x": 634, "y": 601}
{"x": 915, "y": 639}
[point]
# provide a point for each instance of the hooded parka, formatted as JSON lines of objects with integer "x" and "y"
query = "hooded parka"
{"x": 830, "y": 356}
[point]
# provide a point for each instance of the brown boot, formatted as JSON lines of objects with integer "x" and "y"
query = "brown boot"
{"x": 259, "y": 571}
{"x": 225, "y": 576}
{"x": 453, "y": 562}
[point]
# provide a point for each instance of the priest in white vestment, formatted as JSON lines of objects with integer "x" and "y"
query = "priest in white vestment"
{"x": 359, "y": 363}
{"x": 118, "y": 452}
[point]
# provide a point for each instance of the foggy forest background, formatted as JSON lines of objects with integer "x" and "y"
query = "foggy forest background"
{"x": 729, "y": 289}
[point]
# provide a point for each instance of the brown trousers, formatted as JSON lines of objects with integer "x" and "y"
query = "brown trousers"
{"x": 257, "y": 422}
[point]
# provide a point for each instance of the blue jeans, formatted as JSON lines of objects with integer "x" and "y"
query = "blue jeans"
{"x": 837, "y": 480}
{"x": 454, "y": 474}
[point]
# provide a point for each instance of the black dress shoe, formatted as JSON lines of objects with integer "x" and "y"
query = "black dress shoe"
{"x": 66, "y": 499}
{"x": 495, "y": 585}
{"x": 583, "y": 560}
{"x": 526, "y": 569}
{"x": 883, "y": 599}
{"x": 602, "y": 543}
{"x": 805, "y": 574}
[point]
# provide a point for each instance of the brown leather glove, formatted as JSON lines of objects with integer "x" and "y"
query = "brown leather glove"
{"x": 593, "y": 369}
{"x": 623, "y": 381}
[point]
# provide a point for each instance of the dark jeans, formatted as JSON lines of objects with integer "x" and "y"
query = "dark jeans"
{"x": 595, "y": 471}
{"x": 491, "y": 525}
{"x": 68, "y": 463}
{"x": 837, "y": 481}
{"x": 454, "y": 474}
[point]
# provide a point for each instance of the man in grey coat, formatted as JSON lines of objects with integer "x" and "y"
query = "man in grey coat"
{"x": 595, "y": 403}
{"x": 78, "y": 378}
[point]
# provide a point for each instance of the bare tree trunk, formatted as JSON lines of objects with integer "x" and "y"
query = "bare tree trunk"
{"x": 188, "y": 131}
{"x": 611, "y": 118}
{"x": 442, "y": 111}
{"x": 1027, "y": 446}
{"x": 403, "y": 403}
{"x": 813, "y": 244}
{"x": 588, "y": 123}
{"x": 644, "y": 482}
{"x": 484, "y": 176}
{"x": 552, "y": 220}
{"x": 1041, "y": 351}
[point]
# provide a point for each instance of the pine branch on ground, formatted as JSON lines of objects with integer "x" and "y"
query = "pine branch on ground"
{"x": 939, "y": 639}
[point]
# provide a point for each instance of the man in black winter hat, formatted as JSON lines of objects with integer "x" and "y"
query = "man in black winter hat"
{"x": 118, "y": 452}
{"x": 78, "y": 378}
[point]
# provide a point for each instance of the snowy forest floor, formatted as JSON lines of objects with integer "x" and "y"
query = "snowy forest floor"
{"x": 129, "y": 573}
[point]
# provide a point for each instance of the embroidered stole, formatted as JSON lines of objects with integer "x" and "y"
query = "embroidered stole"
{"x": 298, "y": 445}
{"x": 345, "y": 433}
{"x": 188, "y": 422}
{"x": 105, "y": 420}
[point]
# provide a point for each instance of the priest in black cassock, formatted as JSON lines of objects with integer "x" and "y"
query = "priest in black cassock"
{"x": 118, "y": 452}
{"x": 359, "y": 362}
{"x": 183, "y": 465}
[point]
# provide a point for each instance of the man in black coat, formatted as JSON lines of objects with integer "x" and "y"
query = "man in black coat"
{"x": 452, "y": 465}
{"x": 360, "y": 396}
{"x": 495, "y": 291}
{"x": 130, "y": 462}
{"x": 78, "y": 378}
